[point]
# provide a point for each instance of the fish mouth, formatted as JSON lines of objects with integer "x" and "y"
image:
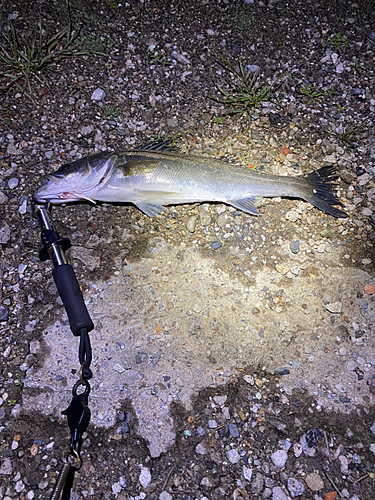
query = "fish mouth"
{"x": 56, "y": 190}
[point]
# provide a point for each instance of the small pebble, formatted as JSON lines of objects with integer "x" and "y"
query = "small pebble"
{"x": 314, "y": 481}
{"x": 334, "y": 307}
{"x": 233, "y": 430}
{"x": 13, "y": 183}
{"x": 4, "y": 233}
{"x": 295, "y": 246}
{"x": 164, "y": 495}
{"x": 279, "y": 458}
{"x": 233, "y": 456}
{"x": 145, "y": 477}
{"x": 279, "y": 494}
{"x": 247, "y": 473}
{"x": 215, "y": 245}
{"x": 202, "y": 448}
{"x": 191, "y": 223}
{"x": 98, "y": 95}
{"x": 295, "y": 487}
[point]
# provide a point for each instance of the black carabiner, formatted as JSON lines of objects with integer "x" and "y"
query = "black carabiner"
{"x": 78, "y": 414}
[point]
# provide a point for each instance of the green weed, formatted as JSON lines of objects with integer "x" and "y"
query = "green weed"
{"x": 218, "y": 119}
{"x": 159, "y": 58}
{"x": 112, "y": 111}
{"x": 349, "y": 134}
{"x": 313, "y": 93}
{"x": 242, "y": 19}
{"x": 246, "y": 91}
{"x": 342, "y": 109}
{"x": 5, "y": 114}
{"x": 338, "y": 41}
{"x": 23, "y": 58}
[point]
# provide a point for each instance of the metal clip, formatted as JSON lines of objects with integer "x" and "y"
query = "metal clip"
{"x": 78, "y": 414}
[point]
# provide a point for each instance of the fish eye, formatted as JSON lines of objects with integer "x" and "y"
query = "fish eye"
{"x": 62, "y": 168}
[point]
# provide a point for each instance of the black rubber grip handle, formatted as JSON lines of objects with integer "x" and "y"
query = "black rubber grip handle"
{"x": 71, "y": 295}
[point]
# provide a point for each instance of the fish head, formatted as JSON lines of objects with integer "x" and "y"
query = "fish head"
{"x": 75, "y": 181}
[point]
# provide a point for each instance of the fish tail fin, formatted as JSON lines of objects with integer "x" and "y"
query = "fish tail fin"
{"x": 323, "y": 191}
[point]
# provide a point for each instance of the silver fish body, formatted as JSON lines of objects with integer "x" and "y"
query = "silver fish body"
{"x": 152, "y": 179}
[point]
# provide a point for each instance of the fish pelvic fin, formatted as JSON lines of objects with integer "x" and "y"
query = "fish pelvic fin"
{"x": 323, "y": 191}
{"x": 246, "y": 205}
{"x": 150, "y": 209}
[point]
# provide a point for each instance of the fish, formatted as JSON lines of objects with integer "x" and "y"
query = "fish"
{"x": 152, "y": 178}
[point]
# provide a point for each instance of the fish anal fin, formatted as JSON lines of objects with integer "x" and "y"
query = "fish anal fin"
{"x": 245, "y": 204}
{"x": 150, "y": 209}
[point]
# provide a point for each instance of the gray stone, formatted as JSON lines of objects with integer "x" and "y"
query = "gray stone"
{"x": 234, "y": 432}
{"x": 247, "y": 473}
{"x": 202, "y": 448}
{"x": 98, "y": 95}
{"x": 295, "y": 487}
{"x": 13, "y": 183}
{"x": 220, "y": 400}
{"x": 145, "y": 477}
{"x": 257, "y": 484}
{"x": 164, "y": 495}
{"x": 279, "y": 494}
{"x": 191, "y": 223}
{"x": 233, "y": 456}
{"x": 372, "y": 428}
{"x": 314, "y": 481}
{"x": 3, "y": 198}
{"x": 215, "y": 245}
{"x": 85, "y": 131}
{"x": 6, "y": 467}
{"x": 334, "y": 307}
{"x": 295, "y": 246}
{"x": 279, "y": 458}
{"x": 4, "y": 233}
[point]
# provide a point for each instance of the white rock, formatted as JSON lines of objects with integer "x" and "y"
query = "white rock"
{"x": 279, "y": 458}
{"x": 164, "y": 495}
{"x": 372, "y": 448}
{"x": 145, "y": 476}
{"x": 343, "y": 464}
{"x": 98, "y": 95}
{"x": 202, "y": 448}
{"x": 334, "y": 307}
{"x": 233, "y": 456}
{"x": 247, "y": 473}
{"x": 279, "y": 494}
{"x": 116, "y": 488}
{"x": 220, "y": 400}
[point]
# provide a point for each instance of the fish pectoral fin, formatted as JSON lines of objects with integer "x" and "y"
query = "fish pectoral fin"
{"x": 245, "y": 204}
{"x": 150, "y": 209}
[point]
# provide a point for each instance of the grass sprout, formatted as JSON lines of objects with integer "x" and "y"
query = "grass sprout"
{"x": 246, "y": 91}
{"x": 23, "y": 58}
{"x": 338, "y": 41}
{"x": 313, "y": 93}
{"x": 349, "y": 134}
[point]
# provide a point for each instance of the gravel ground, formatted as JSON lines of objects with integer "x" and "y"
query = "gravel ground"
{"x": 273, "y": 398}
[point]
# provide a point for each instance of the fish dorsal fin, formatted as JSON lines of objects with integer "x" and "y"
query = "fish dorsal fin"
{"x": 159, "y": 145}
{"x": 245, "y": 204}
